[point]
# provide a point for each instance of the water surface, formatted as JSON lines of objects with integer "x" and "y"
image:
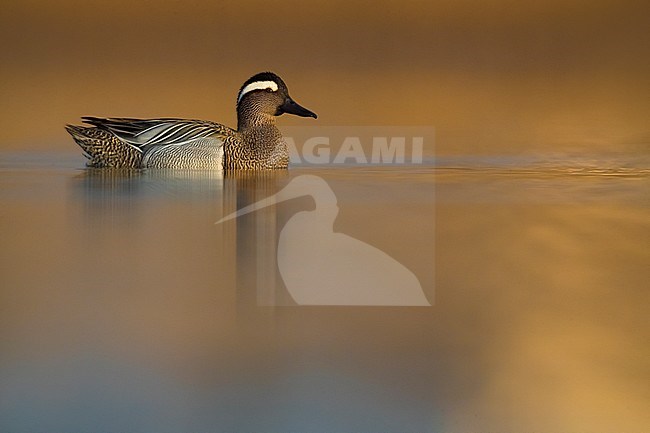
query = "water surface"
{"x": 123, "y": 307}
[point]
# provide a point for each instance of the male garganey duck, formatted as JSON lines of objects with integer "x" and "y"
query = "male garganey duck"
{"x": 197, "y": 144}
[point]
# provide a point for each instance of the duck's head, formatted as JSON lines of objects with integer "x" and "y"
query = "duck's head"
{"x": 266, "y": 94}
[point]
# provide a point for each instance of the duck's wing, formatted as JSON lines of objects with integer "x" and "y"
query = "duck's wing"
{"x": 147, "y": 133}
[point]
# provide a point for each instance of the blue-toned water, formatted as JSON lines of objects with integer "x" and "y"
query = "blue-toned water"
{"x": 123, "y": 307}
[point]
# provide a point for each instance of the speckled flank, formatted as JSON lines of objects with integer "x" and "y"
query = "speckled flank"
{"x": 202, "y": 154}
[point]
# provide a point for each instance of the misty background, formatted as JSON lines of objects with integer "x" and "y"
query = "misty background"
{"x": 492, "y": 77}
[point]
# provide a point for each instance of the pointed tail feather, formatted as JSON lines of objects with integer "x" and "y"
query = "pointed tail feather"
{"x": 104, "y": 149}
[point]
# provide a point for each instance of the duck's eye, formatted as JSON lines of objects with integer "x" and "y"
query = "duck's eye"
{"x": 268, "y": 90}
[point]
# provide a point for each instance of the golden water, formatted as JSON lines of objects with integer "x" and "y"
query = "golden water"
{"x": 125, "y": 308}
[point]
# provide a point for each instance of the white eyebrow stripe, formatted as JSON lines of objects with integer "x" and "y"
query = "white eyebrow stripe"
{"x": 258, "y": 85}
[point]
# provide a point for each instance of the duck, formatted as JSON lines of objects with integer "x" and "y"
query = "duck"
{"x": 170, "y": 143}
